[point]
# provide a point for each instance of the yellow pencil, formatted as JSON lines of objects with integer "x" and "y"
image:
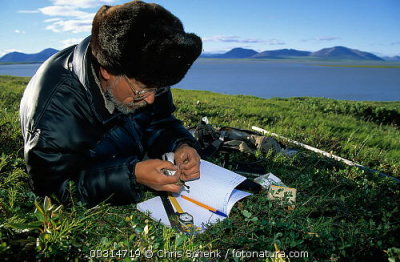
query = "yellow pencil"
{"x": 175, "y": 203}
{"x": 215, "y": 211}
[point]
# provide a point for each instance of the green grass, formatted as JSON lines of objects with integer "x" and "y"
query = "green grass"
{"x": 366, "y": 132}
{"x": 341, "y": 213}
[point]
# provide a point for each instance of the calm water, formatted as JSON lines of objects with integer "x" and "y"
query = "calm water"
{"x": 278, "y": 79}
{"x": 19, "y": 69}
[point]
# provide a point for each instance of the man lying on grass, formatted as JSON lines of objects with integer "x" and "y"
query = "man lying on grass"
{"x": 100, "y": 113}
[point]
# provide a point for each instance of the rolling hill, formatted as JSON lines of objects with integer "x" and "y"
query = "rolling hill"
{"x": 332, "y": 53}
{"x": 281, "y": 53}
{"x": 234, "y": 53}
{"x": 341, "y": 52}
{"x": 18, "y": 57}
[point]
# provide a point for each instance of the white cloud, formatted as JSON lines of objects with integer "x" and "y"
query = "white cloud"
{"x": 71, "y": 41}
{"x": 67, "y": 7}
{"x": 28, "y": 11}
{"x": 323, "y": 38}
{"x": 82, "y": 3}
{"x": 51, "y": 20}
{"x": 19, "y": 31}
{"x": 62, "y": 11}
{"x": 221, "y": 38}
{"x": 274, "y": 42}
{"x": 328, "y": 38}
{"x": 69, "y": 15}
{"x": 74, "y": 26}
{"x": 236, "y": 39}
{"x": 81, "y": 21}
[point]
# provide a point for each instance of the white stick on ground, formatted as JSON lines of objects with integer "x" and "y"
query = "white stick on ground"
{"x": 314, "y": 149}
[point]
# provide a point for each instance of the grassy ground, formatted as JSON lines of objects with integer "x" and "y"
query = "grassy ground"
{"x": 341, "y": 213}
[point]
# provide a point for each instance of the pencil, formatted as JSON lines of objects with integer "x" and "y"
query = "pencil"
{"x": 215, "y": 211}
{"x": 175, "y": 203}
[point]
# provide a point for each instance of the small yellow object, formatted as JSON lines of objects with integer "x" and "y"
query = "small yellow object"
{"x": 187, "y": 227}
{"x": 176, "y": 205}
{"x": 313, "y": 234}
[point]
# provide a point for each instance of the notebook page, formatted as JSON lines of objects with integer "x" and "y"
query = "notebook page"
{"x": 214, "y": 187}
{"x": 235, "y": 197}
{"x": 156, "y": 209}
{"x": 201, "y": 216}
{"x": 157, "y": 212}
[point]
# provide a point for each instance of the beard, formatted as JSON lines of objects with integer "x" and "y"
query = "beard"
{"x": 123, "y": 108}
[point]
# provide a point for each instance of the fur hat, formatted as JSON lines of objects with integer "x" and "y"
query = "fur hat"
{"x": 143, "y": 41}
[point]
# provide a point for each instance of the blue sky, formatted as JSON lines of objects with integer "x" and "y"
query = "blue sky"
{"x": 369, "y": 25}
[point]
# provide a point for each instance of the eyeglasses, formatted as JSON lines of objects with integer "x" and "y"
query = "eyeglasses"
{"x": 140, "y": 94}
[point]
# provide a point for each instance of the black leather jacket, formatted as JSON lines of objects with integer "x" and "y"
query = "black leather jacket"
{"x": 70, "y": 136}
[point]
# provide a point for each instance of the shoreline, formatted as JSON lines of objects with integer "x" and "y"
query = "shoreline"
{"x": 335, "y": 62}
{"x": 266, "y": 98}
{"x": 20, "y": 63}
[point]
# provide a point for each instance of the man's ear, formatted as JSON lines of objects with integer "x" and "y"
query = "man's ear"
{"x": 105, "y": 74}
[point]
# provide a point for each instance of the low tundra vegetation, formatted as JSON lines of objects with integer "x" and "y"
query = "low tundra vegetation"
{"x": 341, "y": 213}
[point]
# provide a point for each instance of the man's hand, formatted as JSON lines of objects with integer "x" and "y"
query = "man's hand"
{"x": 188, "y": 161}
{"x": 149, "y": 173}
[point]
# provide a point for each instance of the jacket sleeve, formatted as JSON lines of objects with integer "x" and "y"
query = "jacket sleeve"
{"x": 57, "y": 140}
{"x": 166, "y": 133}
{"x": 51, "y": 169}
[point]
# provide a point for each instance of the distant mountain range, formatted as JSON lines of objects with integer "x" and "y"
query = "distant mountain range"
{"x": 281, "y": 53}
{"x": 391, "y": 58}
{"x": 333, "y": 53}
{"x": 17, "y": 57}
{"x": 341, "y": 52}
{"x": 234, "y": 53}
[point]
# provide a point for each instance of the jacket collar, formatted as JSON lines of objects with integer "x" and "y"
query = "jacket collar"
{"x": 81, "y": 66}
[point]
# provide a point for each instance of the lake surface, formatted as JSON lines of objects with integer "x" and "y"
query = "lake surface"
{"x": 268, "y": 79}
{"x": 19, "y": 69}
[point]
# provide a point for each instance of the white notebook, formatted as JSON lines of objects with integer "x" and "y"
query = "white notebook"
{"x": 215, "y": 188}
